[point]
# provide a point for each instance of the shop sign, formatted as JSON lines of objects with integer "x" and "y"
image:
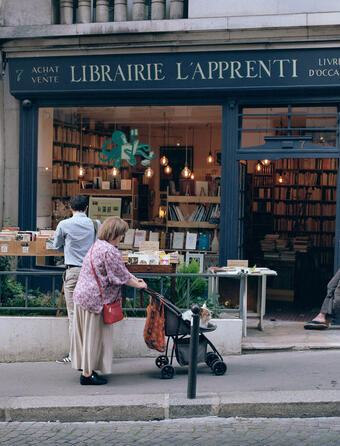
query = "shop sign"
{"x": 118, "y": 148}
{"x": 219, "y": 70}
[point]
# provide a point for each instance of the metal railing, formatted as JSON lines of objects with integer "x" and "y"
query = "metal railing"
{"x": 167, "y": 284}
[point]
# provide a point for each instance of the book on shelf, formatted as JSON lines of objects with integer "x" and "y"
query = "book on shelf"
{"x": 162, "y": 241}
{"x": 168, "y": 240}
{"x": 125, "y": 184}
{"x": 191, "y": 240}
{"x": 129, "y": 237}
{"x": 203, "y": 242}
{"x": 201, "y": 188}
{"x": 172, "y": 188}
{"x": 178, "y": 240}
{"x": 140, "y": 236}
{"x": 179, "y": 213}
{"x": 153, "y": 236}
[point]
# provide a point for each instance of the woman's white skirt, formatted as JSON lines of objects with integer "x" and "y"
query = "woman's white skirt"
{"x": 91, "y": 342}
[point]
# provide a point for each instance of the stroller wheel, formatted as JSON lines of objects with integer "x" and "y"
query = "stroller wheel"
{"x": 219, "y": 368}
{"x": 161, "y": 361}
{"x": 167, "y": 372}
{"x": 210, "y": 358}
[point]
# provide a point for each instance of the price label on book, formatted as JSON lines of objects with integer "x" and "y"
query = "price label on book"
{"x": 4, "y": 248}
{"x": 25, "y": 249}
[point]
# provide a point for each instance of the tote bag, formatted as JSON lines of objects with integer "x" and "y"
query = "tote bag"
{"x": 154, "y": 333}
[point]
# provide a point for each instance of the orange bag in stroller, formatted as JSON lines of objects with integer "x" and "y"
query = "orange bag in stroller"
{"x": 154, "y": 333}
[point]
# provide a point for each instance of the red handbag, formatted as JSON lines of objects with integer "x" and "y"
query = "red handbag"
{"x": 111, "y": 312}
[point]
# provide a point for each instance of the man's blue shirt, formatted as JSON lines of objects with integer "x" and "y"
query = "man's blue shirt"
{"x": 75, "y": 235}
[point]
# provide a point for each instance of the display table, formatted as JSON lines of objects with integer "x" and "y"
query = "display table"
{"x": 154, "y": 269}
{"x": 242, "y": 275}
{"x": 37, "y": 248}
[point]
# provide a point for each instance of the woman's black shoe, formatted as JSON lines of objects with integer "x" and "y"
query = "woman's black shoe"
{"x": 93, "y": 372}
{"x": 93, "y": 380}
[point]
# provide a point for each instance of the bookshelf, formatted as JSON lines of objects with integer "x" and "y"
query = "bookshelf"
{"x": 72, "y": 150}
{"x": 295, "y": 201}
{"x": 129, "y": 197}
{"x": 195, "y": 214}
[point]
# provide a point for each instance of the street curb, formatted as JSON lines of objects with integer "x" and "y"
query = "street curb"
{"x": 147, "y": 407}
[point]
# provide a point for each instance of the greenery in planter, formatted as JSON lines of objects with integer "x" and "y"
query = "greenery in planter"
{"x": 198, "y": 286}
{"x": 13, "y": 295}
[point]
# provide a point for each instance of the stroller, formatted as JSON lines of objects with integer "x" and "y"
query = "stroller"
{"x": 178, "y": 329}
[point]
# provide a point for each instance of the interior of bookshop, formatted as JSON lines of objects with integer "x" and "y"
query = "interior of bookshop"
{"x": 290, "y": 205}
{"x": 159, "y": 168}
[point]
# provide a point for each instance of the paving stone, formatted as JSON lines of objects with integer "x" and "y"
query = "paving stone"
{"x": 190, "y": 432}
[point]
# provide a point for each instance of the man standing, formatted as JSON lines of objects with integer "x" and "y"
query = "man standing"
{"x": 75, "y": 236}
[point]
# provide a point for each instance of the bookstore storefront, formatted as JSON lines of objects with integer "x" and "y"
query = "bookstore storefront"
{"x": 223, "y": 154}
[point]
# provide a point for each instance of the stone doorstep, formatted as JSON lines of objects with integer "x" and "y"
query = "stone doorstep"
{"x": 297, "y": 346}
{"x": 317, "y": 403}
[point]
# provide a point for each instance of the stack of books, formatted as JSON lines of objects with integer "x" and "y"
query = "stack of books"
{"x": 301, "y": 244}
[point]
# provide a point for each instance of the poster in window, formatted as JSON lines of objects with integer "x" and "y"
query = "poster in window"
{"x": 100, "y": 208}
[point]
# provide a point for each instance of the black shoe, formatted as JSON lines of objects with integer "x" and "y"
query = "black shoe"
{"x": 93, "y": 372}
{"x": 93, "y": 380}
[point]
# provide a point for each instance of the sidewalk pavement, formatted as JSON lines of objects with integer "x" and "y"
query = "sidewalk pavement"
{"x": 272, "y": 384}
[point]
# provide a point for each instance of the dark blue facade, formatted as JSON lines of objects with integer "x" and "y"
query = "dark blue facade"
{"x": 229, "y": 79}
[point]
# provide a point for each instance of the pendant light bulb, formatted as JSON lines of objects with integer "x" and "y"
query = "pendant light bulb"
{"x": 280, "y": 179}
{"x": 265, "y": 162}
{"x": 258, "y": 167}
{"x": 186, "y": 172}
{"x": 168, "y": 170}
{"x": 164, "y": 161}
{"x": 210, "y": 158}
{"x": 148, "y": 173}
{"x": 81, "y": 171}
{"x": 192, "y": 176}
{"x": 115, "y": 172}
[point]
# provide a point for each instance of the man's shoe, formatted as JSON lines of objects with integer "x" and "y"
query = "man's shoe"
{"x": 65, "y": 360}
{"x": 316, "y": 325}
{"x": 93, "y": 380}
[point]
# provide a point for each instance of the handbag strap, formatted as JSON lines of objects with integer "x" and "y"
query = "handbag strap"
{"x": 95, "y": 274}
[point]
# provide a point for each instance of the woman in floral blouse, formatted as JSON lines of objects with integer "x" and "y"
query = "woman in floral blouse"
{"x": 92, "y": 340}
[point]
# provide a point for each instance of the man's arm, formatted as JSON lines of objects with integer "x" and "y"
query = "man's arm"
{"x": 58, "y": 242}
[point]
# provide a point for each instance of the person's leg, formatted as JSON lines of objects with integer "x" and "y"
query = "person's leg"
{"x": 86, "y": 345}
{"x": 336, "y": 305}
{"x": 71, "y": 277}
{"x": 331, "y": 304}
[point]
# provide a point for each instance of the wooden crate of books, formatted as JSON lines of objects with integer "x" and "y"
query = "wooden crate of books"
{"x": 17, "y": 248}
{"x": 42, "y": 251}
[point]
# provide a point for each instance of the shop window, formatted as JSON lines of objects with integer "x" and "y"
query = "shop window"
{"x": 111, "y": 153}
{"x": 318, "y": 125}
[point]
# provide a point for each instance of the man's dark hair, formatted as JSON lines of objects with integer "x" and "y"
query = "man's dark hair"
{"x": 78, "y": 202}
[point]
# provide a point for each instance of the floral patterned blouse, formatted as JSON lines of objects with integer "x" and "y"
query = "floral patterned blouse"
{"x": 111, "y": 273}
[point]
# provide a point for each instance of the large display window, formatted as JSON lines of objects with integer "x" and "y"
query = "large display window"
{"x": 159, "y": 168}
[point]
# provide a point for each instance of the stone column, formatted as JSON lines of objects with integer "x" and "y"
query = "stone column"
{"x": 66, "y": 12}
{"x": 102, "y": 11}
{"x": 138, "y": 10}
{"x": 120, "y": 11}
{"x": 176, "y": 9}
{"x": 158, "y": 9}
{"x": 84, "y": 11}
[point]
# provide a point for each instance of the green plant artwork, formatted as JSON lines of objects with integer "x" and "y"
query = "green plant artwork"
{"x": 118, "y": 148}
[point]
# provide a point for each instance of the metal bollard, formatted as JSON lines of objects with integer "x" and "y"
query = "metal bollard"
{"x": 194, "y": 336}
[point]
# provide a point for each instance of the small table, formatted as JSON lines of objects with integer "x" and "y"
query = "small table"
{"x": 242, "y": 275}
